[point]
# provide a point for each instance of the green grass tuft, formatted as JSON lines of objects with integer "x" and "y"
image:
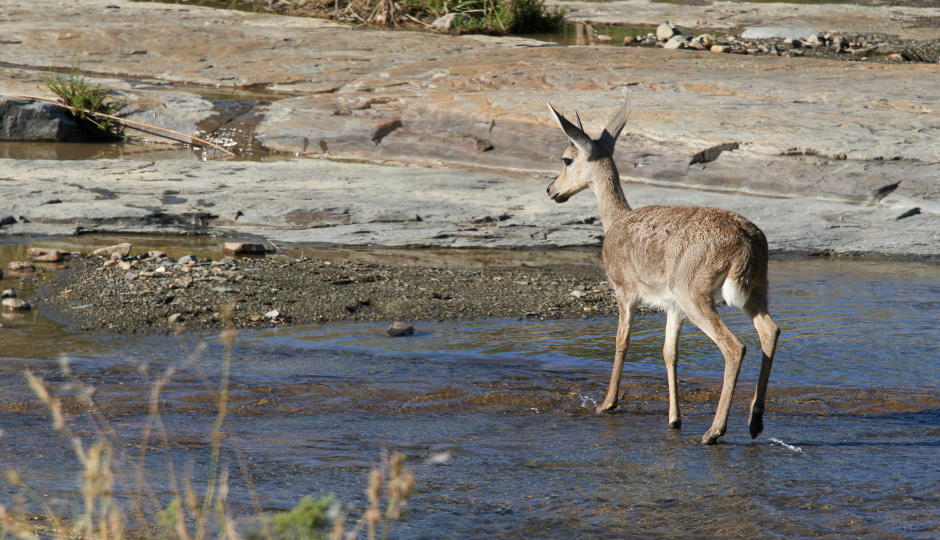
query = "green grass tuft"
{"x": 83, "y": 98}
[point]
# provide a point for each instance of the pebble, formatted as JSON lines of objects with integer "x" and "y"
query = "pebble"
{"x": 399, "y": 329}
{"x": 175, "y": 318}
{"x": 273, "y": 314}
{"x": 721, "y": 49}
{"x": 188, "y": 259}
{"x": 16, "y": 304}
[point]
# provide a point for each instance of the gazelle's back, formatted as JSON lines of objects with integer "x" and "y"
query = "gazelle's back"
{"x": 662, "y": 247}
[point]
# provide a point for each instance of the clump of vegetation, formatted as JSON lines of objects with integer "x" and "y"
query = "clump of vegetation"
{"x": 475, "y": 16}
{"x": 90, "y": 105}
{"x": 111, "y": 471}
{"x": 306, "y": 521}
{"x": 506, "y": 16}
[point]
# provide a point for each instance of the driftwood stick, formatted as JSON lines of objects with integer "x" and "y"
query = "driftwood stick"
{"x": 123, "y": 120}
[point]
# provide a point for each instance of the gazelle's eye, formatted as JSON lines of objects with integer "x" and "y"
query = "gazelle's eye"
{"x": 567, "y": 161}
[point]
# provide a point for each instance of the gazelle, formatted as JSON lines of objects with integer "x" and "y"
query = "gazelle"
{"x": 676, "y": 259}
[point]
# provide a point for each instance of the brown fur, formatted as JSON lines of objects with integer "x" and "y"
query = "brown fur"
{"x": 675, "y": 258}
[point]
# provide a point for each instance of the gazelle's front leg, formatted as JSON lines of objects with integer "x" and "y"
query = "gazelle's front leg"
{"x": 674, "y": 320}
{"x": 627, "y": 309}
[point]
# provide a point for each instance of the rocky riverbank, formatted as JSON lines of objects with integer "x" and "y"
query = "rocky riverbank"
{"x": 155, "y": 293}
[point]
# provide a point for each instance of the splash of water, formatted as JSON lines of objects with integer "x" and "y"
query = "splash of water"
{"x": 790, "y": 447}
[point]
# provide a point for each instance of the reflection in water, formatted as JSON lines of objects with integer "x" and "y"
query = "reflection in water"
{"x": 853, "y": 426}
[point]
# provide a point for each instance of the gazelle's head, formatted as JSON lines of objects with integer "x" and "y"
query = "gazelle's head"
{"x": 586, "y": 159}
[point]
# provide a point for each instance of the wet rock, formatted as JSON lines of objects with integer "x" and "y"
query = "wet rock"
{"x": 123, "y": 249}
{"x": 32, "y": 120}
{"x": 45, "y": 255}
{"x": 665, "y": 31}
{"x": 449, "y": 22}
{"x": 9, "y": 293}
{"x": 243, "y": 247}
{"x": 399, "y": 329}
{"x": 21, "y": 266}
{"x": 175, "y": 318}
{"x": 15, "y": 304}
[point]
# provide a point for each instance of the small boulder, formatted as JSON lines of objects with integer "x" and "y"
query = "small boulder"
{"x": 243, "y": 247}
{"x": 21, "y": 266}
{"x": 708, "y": 40}
{"x": 816, "y": 40}
{"x": 109, "y": 263}
{"x": 630, "y": 41}
{"x": 156, "y": 254}
{"x": 676, "y": 42}
{"x": 665, "y": 31}
{"x": 606, "y": 40}
{"x": 9, "y": 293}
{"x": 838, "y": 43}
{"x": 7, "y": 220}
{"x": 15, "y": 304}
{"x": 45, "y": 255}
{"x": 399, "y": 329}
{"x": 188, "y": 259}
{"x": 273, "y": 314}
{"x": 720, "y": 49}
{"x": 124, "y": 249}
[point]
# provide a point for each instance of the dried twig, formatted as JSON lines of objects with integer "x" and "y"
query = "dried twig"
{"x": 123, "y": 120}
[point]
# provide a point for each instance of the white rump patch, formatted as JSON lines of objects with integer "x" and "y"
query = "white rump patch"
{"x": 733, "y": 294}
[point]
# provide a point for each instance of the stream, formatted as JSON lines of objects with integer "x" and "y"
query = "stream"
{"x": 494, "y": 417}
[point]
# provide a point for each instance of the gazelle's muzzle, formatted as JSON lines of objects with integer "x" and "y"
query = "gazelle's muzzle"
{"x": 555, "y": 195}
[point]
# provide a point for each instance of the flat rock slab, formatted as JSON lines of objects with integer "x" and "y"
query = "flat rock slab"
{"x": 803, "y": 127}
{"x": 323, "y": 203}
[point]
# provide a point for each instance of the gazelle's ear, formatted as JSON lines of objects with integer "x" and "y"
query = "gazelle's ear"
{"x": 577, "y": 137}
{"x": 614, "y": 126}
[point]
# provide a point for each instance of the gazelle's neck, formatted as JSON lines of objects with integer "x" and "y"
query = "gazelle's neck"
{"x": 610, "y": 198}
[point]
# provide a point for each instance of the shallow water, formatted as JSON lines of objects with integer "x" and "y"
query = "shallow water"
{"x": 494, "y": 417}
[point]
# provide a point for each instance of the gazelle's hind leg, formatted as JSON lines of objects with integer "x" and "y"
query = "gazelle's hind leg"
{"x": 768, "y": 333}
{"x": 701, "y": 311}
{"x": 674, "y": 319}
{"x": 627, "y": 308}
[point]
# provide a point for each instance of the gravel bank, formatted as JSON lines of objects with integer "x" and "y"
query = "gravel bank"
{"x": 270, "y": 292}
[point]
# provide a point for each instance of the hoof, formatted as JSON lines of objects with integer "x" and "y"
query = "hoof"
{"x": 756, "y": 426}
{"x": 710, "y": 438}
{"x": 605, "y": 408}
{"x": 675, "y": 424}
